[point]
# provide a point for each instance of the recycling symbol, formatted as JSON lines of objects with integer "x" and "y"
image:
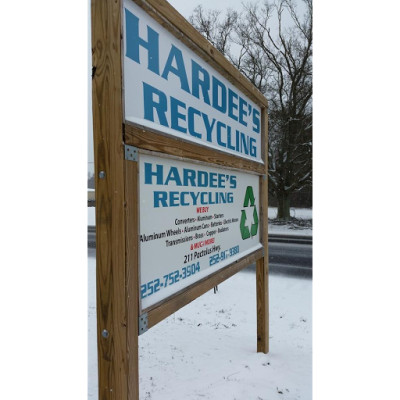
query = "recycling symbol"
{"x": 244, "y": 229}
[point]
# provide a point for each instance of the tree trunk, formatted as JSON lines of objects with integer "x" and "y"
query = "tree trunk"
{"x": 284, "y": 206}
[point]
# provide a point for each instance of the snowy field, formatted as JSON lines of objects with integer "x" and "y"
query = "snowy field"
{"x": 290, "y": 229}
{"x": 207, "y": 350}
{"x": 300, "y": 213}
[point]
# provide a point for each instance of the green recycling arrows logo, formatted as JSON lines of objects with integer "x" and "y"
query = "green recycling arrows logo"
{"x": 244, "y": 229}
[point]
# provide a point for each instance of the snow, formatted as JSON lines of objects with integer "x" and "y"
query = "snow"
{"x": 92, "y": 334}
{"x": 300, "y": 213}
{"x": 91, "y": 216}
{"x": 288, "y": 230}
{"x": 207, "y": 350}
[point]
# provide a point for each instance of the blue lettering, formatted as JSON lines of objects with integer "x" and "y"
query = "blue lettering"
{"x": 232, "y": 105}
{"x": 219, "y": 140}
{"x": 253, "y": 147}
{"x": 133, "y": 41}
{"x": 176, "y": 115}
{"x": 179, "y": 70}
{"x": 242, "y": 111}
{"x": 160, "y": 198}
{"x": 221, "y": 180}
{"x": 176, "y": 199}
{"x": 183, "y": 203}
{"x": 202, "y": 177}
{"x": 244, "y": 145}
{"x": 213, "y": 179}
{"x": 204, "y": 83}
{"x": 149, "y": 173}
{"x": 203, "y": 197}
{"x": 256, "y": 121}
{"x": 219, "y": 93}
{"x": 173, "y": 199}
{"x": 210, "y": 200}
{"x": 189, "y": 175}
{"x": 173, "y": 175}
{"x": 229, "y": 139}
{"x": 191, "y": 113}
{"x": 194, "y": 197}
{"x": 209, "y": 127}
{"x": 150, "y": 104}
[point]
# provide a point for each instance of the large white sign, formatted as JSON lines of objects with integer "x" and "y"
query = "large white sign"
{"x": 194, "y": 220}
{"x": 169, "y": 88}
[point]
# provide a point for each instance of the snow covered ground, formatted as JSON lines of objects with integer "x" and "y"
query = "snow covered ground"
{"x": 290, "y": 229}
{"x": 207, "y": 350}
{"x": 300, "y": 213}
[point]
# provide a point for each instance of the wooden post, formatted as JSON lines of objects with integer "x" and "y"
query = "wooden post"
{"x": 117, "y": 372}
{"x": 262, "y": 263}
{"x": 132, "y": 275}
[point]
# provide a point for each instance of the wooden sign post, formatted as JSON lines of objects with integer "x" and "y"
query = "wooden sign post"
{"x": 180, "y": 137}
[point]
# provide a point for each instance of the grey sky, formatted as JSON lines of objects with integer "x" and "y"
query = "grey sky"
{"x": 186, "y": 7}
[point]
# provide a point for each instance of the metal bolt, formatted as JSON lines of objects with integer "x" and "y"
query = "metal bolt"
{"x": 104, "y": 333}
{"x": 102, "y": 174}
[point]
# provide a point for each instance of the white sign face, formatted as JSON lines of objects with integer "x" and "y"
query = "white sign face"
{"x": 169, "y": 88}
{"x": 194, "y": 220}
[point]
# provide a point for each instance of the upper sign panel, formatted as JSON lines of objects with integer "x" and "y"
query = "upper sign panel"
{"x": 169, "y": 88}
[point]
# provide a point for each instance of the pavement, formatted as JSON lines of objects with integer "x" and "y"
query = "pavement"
{"x": 288, "y": 254}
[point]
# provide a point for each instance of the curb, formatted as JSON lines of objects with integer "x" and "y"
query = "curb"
{"x": 295, "y": 239}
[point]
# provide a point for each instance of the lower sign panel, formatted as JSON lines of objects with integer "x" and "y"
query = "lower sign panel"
{"x": 194, "y": 220}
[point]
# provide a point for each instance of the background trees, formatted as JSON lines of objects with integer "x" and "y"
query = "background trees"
{"x": 271, "y": 44}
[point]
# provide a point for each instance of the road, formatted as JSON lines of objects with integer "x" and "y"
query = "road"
{"x": 91, "y": 237}
{"x": 288, "y": 255}
{"x": 290, "y": 258}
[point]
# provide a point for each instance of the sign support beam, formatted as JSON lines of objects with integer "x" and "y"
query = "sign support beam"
{"x": 262, "y": 263}
{"x": 117, "y": 351}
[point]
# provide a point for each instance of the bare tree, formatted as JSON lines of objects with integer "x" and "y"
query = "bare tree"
{"x": 279, "y": 64}
{"x": 218, "y": 32}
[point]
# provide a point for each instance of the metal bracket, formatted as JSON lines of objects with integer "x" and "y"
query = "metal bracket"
{"x": 143, "y": 323}
{"x": 131, "y": 153}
